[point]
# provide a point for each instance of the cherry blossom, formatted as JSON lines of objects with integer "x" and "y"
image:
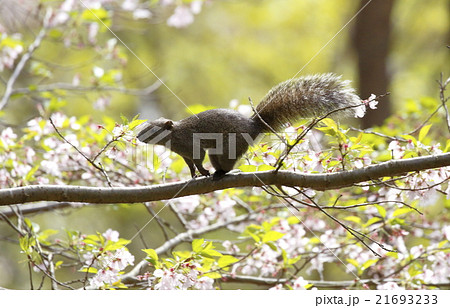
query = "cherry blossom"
{"x": 104, "y": 277}
{"x": 111, "y": 235}
{"x": 299, "y": 284}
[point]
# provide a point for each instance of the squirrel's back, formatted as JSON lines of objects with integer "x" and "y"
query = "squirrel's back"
{"x": 306, "y": 97}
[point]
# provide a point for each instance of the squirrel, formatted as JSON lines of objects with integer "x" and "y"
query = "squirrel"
{"x": 227, "y": 134}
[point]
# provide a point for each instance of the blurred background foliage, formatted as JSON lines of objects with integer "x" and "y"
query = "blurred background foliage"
{"x": 240, "y": 49}
{"x": 233, "y": 50}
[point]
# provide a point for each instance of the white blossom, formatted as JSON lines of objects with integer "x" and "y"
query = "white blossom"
{"x": 181, "y": 17}
{"x": 111, "y": 235}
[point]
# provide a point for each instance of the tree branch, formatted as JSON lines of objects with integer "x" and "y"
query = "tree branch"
{"x": 20, "y": 66}
{"x": 203, "y": 185}
{"x": 40, "y": 207}
{"x": 267, "y": 281}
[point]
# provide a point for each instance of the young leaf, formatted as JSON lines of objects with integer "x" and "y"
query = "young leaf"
{"x": 247, "y": 168}
{"x": 224, "y": 261}
{"x": 292, "y": 220}
{"x": 255, "y": 237}
{"x": 381, "y": 210}
{"x": 265, "y": 167}
{"x": 116, "y": 245}
{"x": 354, "y": 219}
{"x": 91, "y": 270}
{"x": 272, "y": 236}
{"x": 197, "y": 245}
{"x": 401, "y": 211}
{"x": 371, "y": 221}
{"x": 423, "y": 132}
{"x": 151, "y": 253}
{"x": 210, "y": 253}
{"x": 353, "y": 262}
{"x": 368, "y": 263}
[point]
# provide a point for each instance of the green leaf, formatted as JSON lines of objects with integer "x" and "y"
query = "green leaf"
{"x": 330, "y": 123}
{"x": 226, "y": 260}
{"x": 442, "y": 244}
{"x": 24, "y": 243}
{"x": 447, "y": 146}
{"x": 292, "y": 220}
{"x": 255, "y": 237}
{"x": 124, "y": 119}
{"x": 134, "y": 123}
{"x": 401, "y": 211}
{"x": 265, "y": 167}
{"x": 368, "y": 263}
{"x": 210, "y": 253}
{"x": 354, "y": 219}
{"x": 409, "y": 137}
{"x": 397, "y": 221}
{"x": 116, "y": 245}
{"x": 423, "y": 132}
{"x": 42, "y": 237}
{"x": 28, "y": 223}
{"x": 151, "y": 253}
{"x": 247, "y": 168}
{"x": 272, "y": 236}
{"x": 272, "y": 246}
{"x": 392, "y": 254}
{"x": 91, "y": 240}
{"x": 182, "y": 254}
{"x": 30, "y": 173}
{"x": 294, "y": 260}
{"x": 92, "y": 270}
{"x": 381, "y": 210}
{"x": 353, "y": 262}
{"x": 372, "y": 221}
{"x": 197, "y": 245}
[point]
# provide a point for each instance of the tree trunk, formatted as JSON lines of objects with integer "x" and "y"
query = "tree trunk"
{"x": 371, "y": 41}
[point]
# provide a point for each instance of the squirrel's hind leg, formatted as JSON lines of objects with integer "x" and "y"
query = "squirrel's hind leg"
{"x": 222, "y": 165}
{"x": 219, "y": 174}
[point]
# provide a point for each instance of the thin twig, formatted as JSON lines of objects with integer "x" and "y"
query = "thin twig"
{"x": 365, "y": 131}
{"x": 179, "y": 216}
{"x": 442, "y": 88}
{"x": 158, "y": 220}
{"x": 352, "y": 231}
{"x": 98, "y": 167}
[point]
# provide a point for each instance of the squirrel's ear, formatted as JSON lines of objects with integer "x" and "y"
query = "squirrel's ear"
{"x": 168, "y": 124}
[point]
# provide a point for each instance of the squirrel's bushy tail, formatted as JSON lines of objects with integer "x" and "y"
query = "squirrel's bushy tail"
{"x": 306, "y": 97}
